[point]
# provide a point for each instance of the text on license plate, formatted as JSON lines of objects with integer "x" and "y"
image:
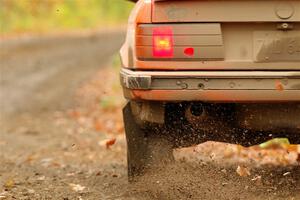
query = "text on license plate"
{"x": 276, "y": 46}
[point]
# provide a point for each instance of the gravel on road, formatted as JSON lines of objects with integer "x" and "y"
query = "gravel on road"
{"x": 61, "y": 134}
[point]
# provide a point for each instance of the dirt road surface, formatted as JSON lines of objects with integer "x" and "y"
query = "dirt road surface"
{"x": 62, "y": 135}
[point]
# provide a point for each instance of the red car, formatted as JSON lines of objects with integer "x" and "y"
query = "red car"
{"x": 196, "y": 70}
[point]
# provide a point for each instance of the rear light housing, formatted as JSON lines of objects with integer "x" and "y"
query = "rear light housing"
{"x": 179, "y": 42}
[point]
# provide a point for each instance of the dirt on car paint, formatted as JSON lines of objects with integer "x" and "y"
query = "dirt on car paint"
{"x": 62, "y": 135}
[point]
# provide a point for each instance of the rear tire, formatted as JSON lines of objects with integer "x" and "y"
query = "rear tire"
{"x": 146, "y": 145}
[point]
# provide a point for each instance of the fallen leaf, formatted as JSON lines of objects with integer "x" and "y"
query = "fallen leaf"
{"x": 110, "y": 142}
{"x": 243, "y": 171}
{"x": 76, "y": 187}
{"x": 9, "y": 183}
{"x": 275, "y": 143}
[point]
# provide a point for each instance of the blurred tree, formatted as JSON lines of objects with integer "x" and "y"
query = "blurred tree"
{"x": 53, "y": 15}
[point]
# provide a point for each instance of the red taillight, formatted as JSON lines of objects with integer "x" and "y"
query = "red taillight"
{"x": 163, "y": 42}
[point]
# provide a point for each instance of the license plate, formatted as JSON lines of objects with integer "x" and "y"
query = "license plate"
{"x": 276, "y": 46}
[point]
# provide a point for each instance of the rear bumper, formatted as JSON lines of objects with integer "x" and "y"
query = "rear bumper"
{"x": 211, "y": 86}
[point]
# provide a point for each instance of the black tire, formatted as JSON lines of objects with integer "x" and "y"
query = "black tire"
{"x": 146, "y": 147}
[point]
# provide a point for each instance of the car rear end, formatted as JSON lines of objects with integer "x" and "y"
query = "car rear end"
{"x": 240, "y": 48}
{"x": 232, "y": 64}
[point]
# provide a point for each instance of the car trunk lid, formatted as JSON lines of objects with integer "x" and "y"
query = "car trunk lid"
{"x": 226, "y": 11}
{"x": 252, "y": 35}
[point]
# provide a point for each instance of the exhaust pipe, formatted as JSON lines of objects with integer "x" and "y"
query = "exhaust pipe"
{"x": 208, "y": 119}
{"x": 195, "y": 113}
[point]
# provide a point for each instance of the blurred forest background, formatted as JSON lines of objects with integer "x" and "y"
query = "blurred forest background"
{"x": 18, "y": 16}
